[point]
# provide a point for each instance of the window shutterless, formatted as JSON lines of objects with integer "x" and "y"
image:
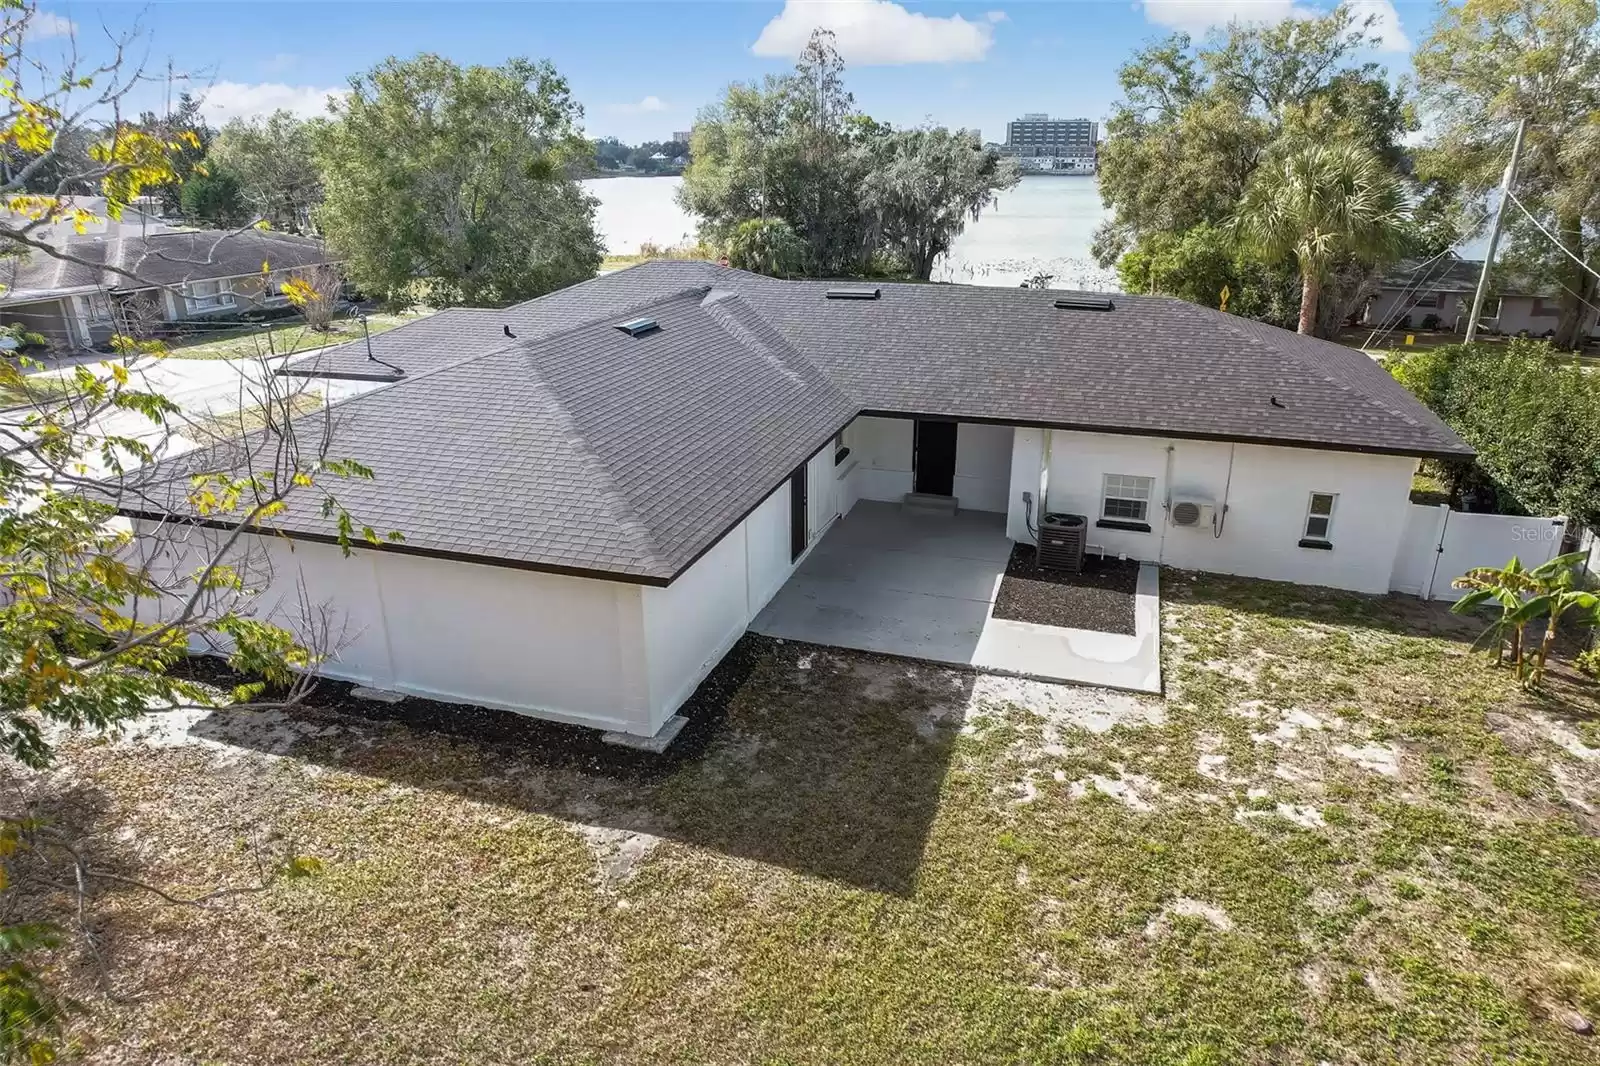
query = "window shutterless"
{"x": 1126, "y": 498}
{"x": 1319, "y": 519}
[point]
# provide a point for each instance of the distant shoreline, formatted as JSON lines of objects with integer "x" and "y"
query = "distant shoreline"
{"x": 614, "y": 174}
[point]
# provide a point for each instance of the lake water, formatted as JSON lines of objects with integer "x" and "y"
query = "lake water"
{"x": 1044, "y": 225}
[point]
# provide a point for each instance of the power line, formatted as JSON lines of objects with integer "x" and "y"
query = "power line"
{"x": 1553, "y": 238}
{"x": 1400, "y": 309}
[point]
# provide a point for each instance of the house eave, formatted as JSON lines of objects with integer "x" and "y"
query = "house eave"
{"x": 402, "y": 548}
{"x": 1153, "y": 431}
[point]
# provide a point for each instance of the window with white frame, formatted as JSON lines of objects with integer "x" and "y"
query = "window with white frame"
{"x": 203, "y": 296}
{"x": 1319, "y": 516}
{"x": 95, "y": 308}
{"x": 1126, "y": 498}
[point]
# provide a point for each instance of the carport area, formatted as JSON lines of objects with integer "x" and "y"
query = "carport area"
{"x": 923, "y": 586}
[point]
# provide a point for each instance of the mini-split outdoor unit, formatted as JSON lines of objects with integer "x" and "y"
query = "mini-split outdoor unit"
{"x": 1193, "y": 512}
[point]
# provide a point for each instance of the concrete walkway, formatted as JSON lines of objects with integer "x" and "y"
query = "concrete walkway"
{"x": 923, "y": 586}
{"x": 202, "y": 388}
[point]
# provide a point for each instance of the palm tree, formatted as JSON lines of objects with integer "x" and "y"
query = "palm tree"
{"x": 1319, "y": 203}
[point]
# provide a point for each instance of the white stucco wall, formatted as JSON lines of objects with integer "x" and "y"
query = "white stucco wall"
{"x": 690, "y": 625}
{"x": 882, "y": 449}
{"x": 566, "y": 648}
{"x": 606, "y": 654}
{"x": 1266, "y": 496}
{"x": 1029, "y": 473}
{"x": 822, "y": 493}
{"x": 983, "y": 466}
{"x": 767, "y": 550}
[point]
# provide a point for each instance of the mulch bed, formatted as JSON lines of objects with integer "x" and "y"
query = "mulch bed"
{"x": 1100, "y": 598}
{"x": 546, "y": 742}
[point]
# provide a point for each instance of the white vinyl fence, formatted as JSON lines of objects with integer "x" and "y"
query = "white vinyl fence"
{"x": 1439, "y": 545}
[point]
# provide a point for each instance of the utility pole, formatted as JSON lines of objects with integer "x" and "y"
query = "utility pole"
{"x": 1494, "y": 233}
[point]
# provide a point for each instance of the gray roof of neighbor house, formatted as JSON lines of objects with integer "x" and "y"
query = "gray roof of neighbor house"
{"x": 575, "y": 446}
{"x": 1451, "y": 273}
{"x": 170, "y": 257}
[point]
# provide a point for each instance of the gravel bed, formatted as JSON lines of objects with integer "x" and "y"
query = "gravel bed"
{"x": 1100, "y": 598}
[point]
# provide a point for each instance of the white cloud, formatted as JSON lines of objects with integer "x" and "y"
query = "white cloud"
{"x": 44, "y": 24}
{"x": 878, "y": 32}
{"x": 233, "y": 99}
{"x": 1198, "y": 16}
{"x": 649, "y": 105}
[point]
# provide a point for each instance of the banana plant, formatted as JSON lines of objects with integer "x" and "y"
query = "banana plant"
{"x": 1558, "y": 593}
{"x": 1550, "y": 591}
{"x": 1508, "y": 587}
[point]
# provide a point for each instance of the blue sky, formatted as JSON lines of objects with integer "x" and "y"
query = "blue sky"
{"x": 641, "y": 68}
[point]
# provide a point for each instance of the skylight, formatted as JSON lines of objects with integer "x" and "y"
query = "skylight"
{"x": 1085, "y": 303}
{"x": 854, "y": 294}
{"x": 638, "y": 327}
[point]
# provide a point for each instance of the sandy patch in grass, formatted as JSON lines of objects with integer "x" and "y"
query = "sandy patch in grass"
{"x": 1093, "y": 710}
{"x": 1572, "y": 790}
{"x": 1291, "y": 723}
{"x": 1183, "y": 907}
{"x": 1379, "y": 758}
{"x": 237, "y": 734}
{"x": 1565, "y": 737}
{"x": 1133, "y": 791}
{"x": 1302, "y": 815}
{"x": 617, "y": 852}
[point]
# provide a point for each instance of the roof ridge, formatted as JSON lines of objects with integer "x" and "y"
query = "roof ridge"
{"x": 631, "y": 522}
{"x": 619, "y": 315}
{"x": 777, "y": 354}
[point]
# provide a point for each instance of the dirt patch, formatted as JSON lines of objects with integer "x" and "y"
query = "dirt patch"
{"x": 1094, "y": 710}
{"x": 1183, "y": 907}
{"x": 1302, "y": 815}
{"x": 1290, "y": 726}
{"x": 1100, "y": 598}
{"x": 617, "y": 852}
{"x": 1379, "y": 758}
{"x": 1131, "y": 790}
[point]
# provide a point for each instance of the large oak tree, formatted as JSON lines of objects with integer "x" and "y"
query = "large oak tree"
{"x": 449, "y": 184}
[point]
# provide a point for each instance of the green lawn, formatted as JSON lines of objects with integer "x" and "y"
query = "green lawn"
{"x": 239, "y": 423}
{"x": 1340, "y": 838}
{"x": 286, "y": 336}
{"x": 1395, "y": 341}
{"x": 38, "y": 388}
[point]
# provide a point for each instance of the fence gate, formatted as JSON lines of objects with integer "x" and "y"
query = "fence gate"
{"x": 1470, "y": 540}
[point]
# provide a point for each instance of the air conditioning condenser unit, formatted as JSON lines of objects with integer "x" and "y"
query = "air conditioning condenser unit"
{"x": 1193, "y": 512}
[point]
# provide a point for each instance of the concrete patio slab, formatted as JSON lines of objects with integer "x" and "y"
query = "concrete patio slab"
{"x": 900, "y": 583}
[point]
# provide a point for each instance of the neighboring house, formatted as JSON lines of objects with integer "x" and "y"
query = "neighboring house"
{"x": 191, "y": 274}
{"x": 1417, "y": 291}
{"x": 600, "y": 489}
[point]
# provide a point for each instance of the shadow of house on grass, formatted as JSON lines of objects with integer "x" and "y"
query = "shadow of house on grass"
{"x": 826, "y": 763}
